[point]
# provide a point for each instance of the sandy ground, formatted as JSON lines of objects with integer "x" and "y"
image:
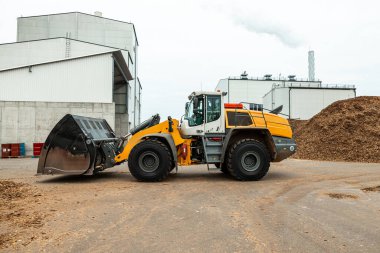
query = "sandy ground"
{"x": 300, "y": 206}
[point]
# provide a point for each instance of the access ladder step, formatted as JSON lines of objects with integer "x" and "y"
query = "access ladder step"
{"x": 214, "y": 144}
{"x": 213, "y": 158}
{"x": 214, "y": 153}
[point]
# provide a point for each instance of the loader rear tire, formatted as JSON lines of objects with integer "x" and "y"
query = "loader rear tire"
{"x": 150, "y": 161}
{"x": 248, "y": 159}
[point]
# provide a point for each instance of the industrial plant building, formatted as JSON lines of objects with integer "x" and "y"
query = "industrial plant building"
{"x": 300, "y": 99}
{"x": 68, "y": 63}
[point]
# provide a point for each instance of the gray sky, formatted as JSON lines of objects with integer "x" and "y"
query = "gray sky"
{"x": 189, "y": 45}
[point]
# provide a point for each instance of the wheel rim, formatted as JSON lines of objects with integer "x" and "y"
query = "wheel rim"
{"x": 250, "y": 161}
{"x": 149, "y": 161}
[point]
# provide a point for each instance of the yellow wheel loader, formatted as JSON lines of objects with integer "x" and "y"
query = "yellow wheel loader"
{"x": 239, "y": 141}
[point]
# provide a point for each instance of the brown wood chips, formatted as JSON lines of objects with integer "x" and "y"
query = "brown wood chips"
{"x": 347, "y": 130}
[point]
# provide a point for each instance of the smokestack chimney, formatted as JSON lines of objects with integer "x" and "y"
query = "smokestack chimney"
{"x": 311, "y": 66}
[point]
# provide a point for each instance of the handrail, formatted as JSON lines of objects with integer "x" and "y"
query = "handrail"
{"x": 314, "y": 85}
{"x": 252, "y": 117}
{"x": 269, "y": 110}
{"x": 274, "y": 78}
{"x": 283, "y": 114}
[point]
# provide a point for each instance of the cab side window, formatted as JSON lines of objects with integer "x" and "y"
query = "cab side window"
{"x": 195, "y": 113}
{"x": 213, "y": 108}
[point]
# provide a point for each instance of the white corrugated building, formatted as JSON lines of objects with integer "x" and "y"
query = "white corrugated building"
{"x": 301, "y": 99}
{"x": 67, "y": 63}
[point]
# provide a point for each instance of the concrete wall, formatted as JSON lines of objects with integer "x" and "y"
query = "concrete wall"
{"x": 122, "y": 124}
{"x": 29, "y": 122}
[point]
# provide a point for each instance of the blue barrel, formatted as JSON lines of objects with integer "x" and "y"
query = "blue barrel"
{"x": 22, "y": 149}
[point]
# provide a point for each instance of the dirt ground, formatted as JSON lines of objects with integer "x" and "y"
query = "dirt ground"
{"x": 300, "y": 206}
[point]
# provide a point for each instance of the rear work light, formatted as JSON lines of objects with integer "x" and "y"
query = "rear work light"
{"x": 233, "y": 106}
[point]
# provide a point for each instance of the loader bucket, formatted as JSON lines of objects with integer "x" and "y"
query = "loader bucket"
{"x": 71, "y": 147}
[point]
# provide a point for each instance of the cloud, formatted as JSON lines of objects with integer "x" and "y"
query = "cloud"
{"x": 285, "y": 36}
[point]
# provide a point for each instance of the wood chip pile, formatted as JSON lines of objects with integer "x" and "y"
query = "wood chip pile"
{"x": 347, "y": 130}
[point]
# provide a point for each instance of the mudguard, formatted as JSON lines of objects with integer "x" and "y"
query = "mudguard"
{"x": 250, "y": 131}
{"x": 169, "y": 139}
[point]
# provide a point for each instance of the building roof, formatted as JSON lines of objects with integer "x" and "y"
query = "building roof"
{"x": 63, "y": 13}
{"x": 82, "y": 41}
{"x": 117, "y": 55}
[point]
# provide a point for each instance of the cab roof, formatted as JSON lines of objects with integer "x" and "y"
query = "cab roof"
{"x": 198, "y": 93}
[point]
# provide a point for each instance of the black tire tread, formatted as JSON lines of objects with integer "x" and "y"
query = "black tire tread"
{"x": 166, "y": 172}
{"x": 231, "y": 151}
{"x": 224, "y": 169}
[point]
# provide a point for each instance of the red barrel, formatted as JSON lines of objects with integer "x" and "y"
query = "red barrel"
{"x": 37, "y": 147}
{"x": 5, "y": 150}
{"x": 15, "y": 149}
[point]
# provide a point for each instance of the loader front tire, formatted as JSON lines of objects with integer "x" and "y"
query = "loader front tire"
{"x": 150, "y": 161}
{"x": 224, "y": 168}
{"x": 248, "y": 159}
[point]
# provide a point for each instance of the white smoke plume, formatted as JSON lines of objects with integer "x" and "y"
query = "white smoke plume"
{"x": 285, "y": 36}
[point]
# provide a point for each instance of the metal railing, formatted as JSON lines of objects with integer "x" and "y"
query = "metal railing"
{"x": 252, "y": 117}
{"x": 314, "y": 85}
{"x": 295, "y": 82}
{"x": 274, "y": 79}
{"x": 347, "y": 86}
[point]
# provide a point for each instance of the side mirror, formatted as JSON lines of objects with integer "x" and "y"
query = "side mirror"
{"x": 187, "y": 105}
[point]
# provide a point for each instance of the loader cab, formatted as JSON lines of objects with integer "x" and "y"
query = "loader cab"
{"x": 203, "y": 114}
